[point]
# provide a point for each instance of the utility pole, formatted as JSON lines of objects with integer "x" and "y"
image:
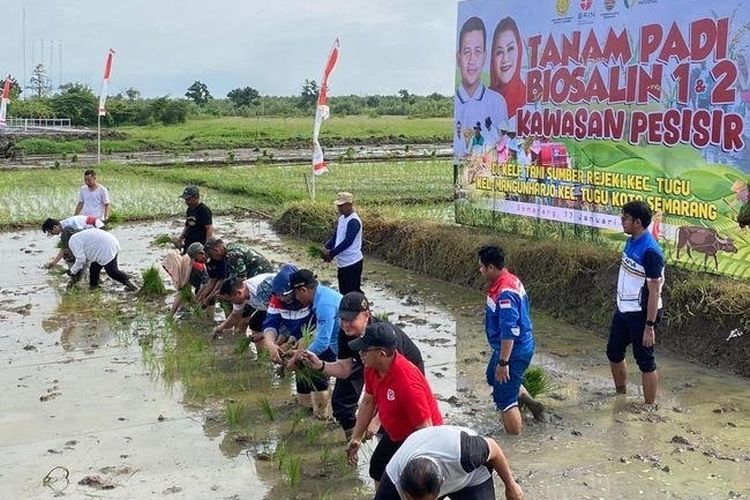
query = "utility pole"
{"x": 23, "y": 43}
{"x": 59, "y": 62}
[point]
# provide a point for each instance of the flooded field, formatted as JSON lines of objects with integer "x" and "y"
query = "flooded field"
{"x": 129, "y": 405}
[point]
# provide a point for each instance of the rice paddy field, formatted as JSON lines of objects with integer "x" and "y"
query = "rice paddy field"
{"x": 409, "y": 189}
{"x": 237, "y": 132}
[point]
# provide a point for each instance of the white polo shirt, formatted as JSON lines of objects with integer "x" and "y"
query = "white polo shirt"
{"x": 486, "y": 107}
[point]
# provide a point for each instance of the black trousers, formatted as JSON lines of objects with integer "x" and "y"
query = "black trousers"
{"x": 112, "y": 271}
{"x": 350, "y": 278}
{"x": 345, "y": 397}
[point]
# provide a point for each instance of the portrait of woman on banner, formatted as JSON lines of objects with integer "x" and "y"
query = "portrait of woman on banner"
{"x": 506, "y": 60}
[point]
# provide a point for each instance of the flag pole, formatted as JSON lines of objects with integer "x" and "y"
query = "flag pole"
{"x": 98, "y": 138}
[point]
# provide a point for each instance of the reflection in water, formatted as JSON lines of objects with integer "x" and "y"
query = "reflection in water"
{"x": 595, "y": 445}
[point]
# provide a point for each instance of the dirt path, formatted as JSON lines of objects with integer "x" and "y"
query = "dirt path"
{"x": 222, "y": 157}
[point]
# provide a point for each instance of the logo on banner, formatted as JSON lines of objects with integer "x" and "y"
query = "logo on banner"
{"x": 629, "y": 3}
{"x": 609, "y": 4}
{"x": 586, "y": 4}
{"x": 562, "y": 7}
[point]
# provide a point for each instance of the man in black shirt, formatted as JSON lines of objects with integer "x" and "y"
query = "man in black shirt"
{"x": 199, "y": 221}
{"x": 355, "y": 315}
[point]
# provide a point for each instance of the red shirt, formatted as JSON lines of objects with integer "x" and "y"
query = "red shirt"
{"x": 403, "y": 398}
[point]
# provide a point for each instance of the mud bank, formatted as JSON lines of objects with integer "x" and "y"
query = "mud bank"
{"x": 138, "y": 407}
{"x": 347, "y": 152}
{"x": 707, "y": 318}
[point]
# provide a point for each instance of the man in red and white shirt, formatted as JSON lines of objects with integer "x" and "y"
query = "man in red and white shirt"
{"x": 396, "y": 390}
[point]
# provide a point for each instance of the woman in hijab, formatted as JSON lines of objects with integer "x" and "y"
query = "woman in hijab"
{"x": 505, "y": 66}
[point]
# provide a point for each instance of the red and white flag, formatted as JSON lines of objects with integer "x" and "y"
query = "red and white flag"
{"x": 5, "y": 100}
{"x": 105, "y": 83}
{"x": 322, "y": 111}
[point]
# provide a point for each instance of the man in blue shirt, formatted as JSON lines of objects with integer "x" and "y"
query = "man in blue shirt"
{"x": 510, "y": 335}
{"x": 345, "y": 246}
{"x": 324, "y": 303}
{"x": 638, "y": 301}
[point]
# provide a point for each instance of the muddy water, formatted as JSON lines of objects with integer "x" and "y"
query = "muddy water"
{"x": 101, "y": 385}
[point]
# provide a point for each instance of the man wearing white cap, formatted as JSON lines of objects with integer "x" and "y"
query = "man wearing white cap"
{"x": 345, "y": 246}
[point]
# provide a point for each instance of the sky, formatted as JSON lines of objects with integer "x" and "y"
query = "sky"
{"x": 162, "y": 46}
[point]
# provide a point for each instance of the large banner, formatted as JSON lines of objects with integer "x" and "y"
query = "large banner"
{"x": 567, "y": 109}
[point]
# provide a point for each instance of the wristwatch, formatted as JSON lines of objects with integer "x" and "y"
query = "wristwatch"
{"x": 502, "y": 362}
{"x": 650, "y": 323}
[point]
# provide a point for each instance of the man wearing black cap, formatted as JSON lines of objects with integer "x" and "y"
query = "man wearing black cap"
{"x": 396, "y": 390}
{"x": 199, "y": 220}
{"x": 354, "y": 313}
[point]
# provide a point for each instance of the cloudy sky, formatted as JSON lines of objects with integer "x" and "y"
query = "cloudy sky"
{"x": 164, "y": 45}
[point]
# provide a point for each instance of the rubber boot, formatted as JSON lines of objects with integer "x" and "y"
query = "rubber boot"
{"x": 304, "y": 400}
{"x": 130, "y": 286}
{"x": 321, "y": 401}
{"x": 537, "y": 408}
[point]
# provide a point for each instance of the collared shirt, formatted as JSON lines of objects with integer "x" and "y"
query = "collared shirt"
{"x": 92, "y": 245}
{"x": 404, "y": 345}
{"x": 508, "y": 312}
{"x": 240, "y": 261}
{"x": 642, "y": 258}
{"x": 258, "y": 292}
{"x": 325, "y": 307}
{"x": 460, "y": 454}
{"x": 287, "y": 319}
{"x": 403, "y": 398}
{"x": 486, "y": 107}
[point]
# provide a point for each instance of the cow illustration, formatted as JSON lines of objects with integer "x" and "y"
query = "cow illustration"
{"x": 703, "y": 240}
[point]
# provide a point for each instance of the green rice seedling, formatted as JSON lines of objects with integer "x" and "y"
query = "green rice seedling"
{"x": 536, "y": 381}
{"x": 242, "y": 346}
{"x": 233, "y": 413}
{"x": 293, "y": 469}
{"x": 325, "y": 455}
{"x": 312, "y": 434}
{"x": 382, "y": 316}
{"x": 162, "y": 240}
{"x": 153, "y": 285}
{"x": 265, "y": 407}
{"x": 298, "y": 416}
{"x": 281, "y": 453}
{"x": 314, "y": 252}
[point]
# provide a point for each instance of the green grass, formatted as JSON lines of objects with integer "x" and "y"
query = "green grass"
{"x": 237, "y": 132}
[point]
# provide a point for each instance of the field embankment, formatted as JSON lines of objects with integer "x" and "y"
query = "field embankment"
{"x": 573, "y": 281}
{"x": 249, "y": 133}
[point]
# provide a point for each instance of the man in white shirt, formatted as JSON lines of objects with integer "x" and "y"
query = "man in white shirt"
{"x": 93, "y": 198}
{"x": 99, "y": 249}
{"x": 249, "y": 299}
{"x": 66, "y": 228}
{"x": 475, "y": 103}
{"x": 447, "y": 460}
{"x": 345, "y": 246}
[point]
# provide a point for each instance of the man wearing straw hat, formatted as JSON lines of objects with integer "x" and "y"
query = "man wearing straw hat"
{"x": 345, "y": 246}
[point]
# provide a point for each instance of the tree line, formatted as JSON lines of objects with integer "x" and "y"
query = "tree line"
{"x": 78, "y": 102}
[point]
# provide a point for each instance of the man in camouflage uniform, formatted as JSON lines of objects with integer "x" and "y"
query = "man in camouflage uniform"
{"x": 234, "y": 260}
